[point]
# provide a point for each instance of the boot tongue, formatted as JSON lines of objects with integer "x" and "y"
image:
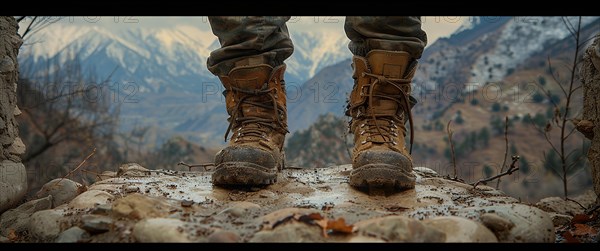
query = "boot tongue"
{"x": 251, "y": 78}
{"x": 254, "y": 78}
{"x": 391, "y": 64}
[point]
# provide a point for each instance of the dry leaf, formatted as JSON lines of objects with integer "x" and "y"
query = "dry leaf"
{"x": 581, "y": 218}
{"x": 308, "y": 218}
{"x": 323, "y": 224}
{"x": 569, "y": 238}
{"x": 12, "y": 235}
{"x": 284, "y": 220}
{"x": 340, "y": 226}
{"x": 582, "y": 230}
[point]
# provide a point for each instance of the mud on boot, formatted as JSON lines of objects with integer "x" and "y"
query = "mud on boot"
{"x": 256, "y": 104}
{"x": 380, "y": 105}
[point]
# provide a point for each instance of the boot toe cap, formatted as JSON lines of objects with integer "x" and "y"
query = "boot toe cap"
{"x": 246, "y": 154}
{"x": 392, "y": 158}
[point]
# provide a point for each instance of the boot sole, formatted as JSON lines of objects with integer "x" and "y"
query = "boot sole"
{"x": 381, "y": 176}
{"x": 243, "y": 174}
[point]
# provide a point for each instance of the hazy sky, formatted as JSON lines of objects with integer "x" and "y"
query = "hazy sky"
{"x": 434, "y": 26}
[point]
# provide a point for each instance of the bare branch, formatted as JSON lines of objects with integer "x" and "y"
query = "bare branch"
{"x": 555, "y": 78}
{"x": 78, "y": 166}
{"x": 510, "y": 171}
{"x": 203, "y": 165}
{"x": 28, "y": 29}
{"x": 568, "y": 25}
{"x": 505, "y": 149}
{"x": 450, "y": 133}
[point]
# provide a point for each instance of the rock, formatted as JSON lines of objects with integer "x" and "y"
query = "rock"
{"x": 96, "y": 224}
{"x": 102, "y": 209}
{"x": 500, "y": 226}
{"x": 137, "y": 206}
{"x": 270, "y": 219}
{"x": 6, "y": 64}
{"x": 531, "y": 224}
{"x": 132, "y": 189}
{"x": 239, "y": 208}
{"x": 224, "y": 236}
{"x": 590, "y": 77}
{"x": 425, "y": 172}
{"x": 62, "y": 192}
{"x": 365, "y": 239}
{"x": 399, "y": 229}
{"x": 160, "y": 230}
{"x": 17, "y": 111}
{"x": 560, "y": 219}
{"x": 2, "y": 124}
{"x": 106, "y": 175}
{"x": 460, "y": 229}
{"x": 45, "y": 225}
{"x": 17, "y": 147}
{"x": 132, "y": 170}
{"x": 72, "y": 235}
{"x": 18, "y": 218}
{"x": 290, "y": 232}
{"x": 266, "y": 194}
{"x": 13, "y": 184}
{"x": 560, "y": 206}
{"x": 4, "y": 239}
{"x": 90, "y": 199}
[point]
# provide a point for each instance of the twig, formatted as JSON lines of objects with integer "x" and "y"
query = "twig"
{"x": 510, "y": 170}
{"x": 569, "y": 199}
{"x": 204, "y": 165}
{"x": 78, "y": 166}
{"x": 450, "y": 132}
{"x": 505, "y": 150}
{"x": 593, "y": 209}
{"x": 92, "y": 172}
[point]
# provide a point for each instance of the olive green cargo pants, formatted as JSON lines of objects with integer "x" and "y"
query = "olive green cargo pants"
{"x": 265, "y": 40}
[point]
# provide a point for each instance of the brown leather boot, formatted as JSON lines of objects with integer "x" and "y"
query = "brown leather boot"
{"x": 379, "y": 106}
{"x": 256, "y": 104}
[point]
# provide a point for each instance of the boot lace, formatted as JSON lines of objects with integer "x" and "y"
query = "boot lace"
{"x": 253, "y": 128}
{"x": 384, "y": 125}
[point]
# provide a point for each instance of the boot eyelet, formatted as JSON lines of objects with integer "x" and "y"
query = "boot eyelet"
{"x": 394, "y": 142}
{"x": 362, "y": 125}
{"x": 362, "y": 132}
{"x": 364, "y": 142}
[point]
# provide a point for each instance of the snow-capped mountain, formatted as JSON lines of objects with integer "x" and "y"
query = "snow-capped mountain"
{"x": 172, "y": 89}
{"x": 486, "y": 49}
{"x": 177, "y": 94}
{"x": 166, "y": 58}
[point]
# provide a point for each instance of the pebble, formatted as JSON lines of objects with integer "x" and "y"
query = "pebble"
{"x": 96, "y": 224}
{"x": 18, "y": 218}
{"x": 91, "y": 199}
{"x": 460, "y": 229}
{"x": 45, "y": 225}
{"x": 160, "y": 230}
{"x": 62, "y": 192}
{"x": 224, "y": 237}
{"x": 399, "y": 229}
{"x": 72, "y": 235}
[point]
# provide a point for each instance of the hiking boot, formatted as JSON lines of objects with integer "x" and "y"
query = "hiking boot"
{"x": 256, "y": 104}
{"x": 379, "y": 105}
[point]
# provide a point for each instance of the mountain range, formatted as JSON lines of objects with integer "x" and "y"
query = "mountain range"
{"x": 174, "y": 94}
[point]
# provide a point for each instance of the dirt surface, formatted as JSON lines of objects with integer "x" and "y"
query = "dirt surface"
{"x": 305, "y": 205}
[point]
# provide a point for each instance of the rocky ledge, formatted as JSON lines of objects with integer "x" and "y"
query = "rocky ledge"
{"x": 306, "y": 205}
